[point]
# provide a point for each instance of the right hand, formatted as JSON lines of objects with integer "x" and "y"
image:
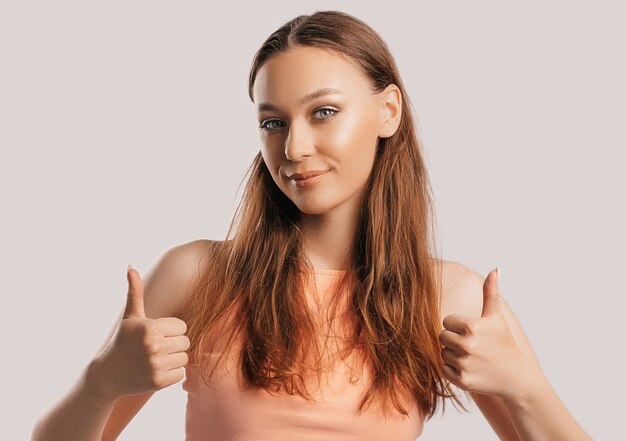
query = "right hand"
{"x": 144, "y": 354}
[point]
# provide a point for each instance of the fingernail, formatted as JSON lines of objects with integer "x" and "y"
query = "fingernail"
{"x": 129, "y": 267}
{"x": 498, "y": 273}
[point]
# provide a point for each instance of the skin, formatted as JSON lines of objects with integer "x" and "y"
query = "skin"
{"x": 484, "y": 348}
{"x": 302, "y": 137}
{"x": 480, "y": 335}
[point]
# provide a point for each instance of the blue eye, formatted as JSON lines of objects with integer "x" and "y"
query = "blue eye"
{"x": 264, "y": 124}
{"x": 327, "y": 108}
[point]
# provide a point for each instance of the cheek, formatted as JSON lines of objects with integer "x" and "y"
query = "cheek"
{"x": 349, "y": 142}
{"x": 353, "y": 141}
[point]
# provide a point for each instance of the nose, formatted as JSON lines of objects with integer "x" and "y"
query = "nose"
{"x": 299, "y": 143}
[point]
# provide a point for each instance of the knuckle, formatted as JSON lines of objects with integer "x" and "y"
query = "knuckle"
{"x": 463, "y": 377}
{"x": 468, "y": 381}
{"x": 145, "y": 326}
{"x": 157, "y": 380}
{"x": 152, "y": 344}
{"x": 473, "y": 326}
{"x": 469, "y": 345}
{"x": 153, "y": 347}
{"x": 155, "y": 365}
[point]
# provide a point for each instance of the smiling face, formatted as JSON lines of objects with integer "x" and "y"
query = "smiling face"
{"x": 336, "y": 131}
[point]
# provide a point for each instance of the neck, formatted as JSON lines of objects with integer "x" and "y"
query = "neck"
{"x": 329, "y": 237}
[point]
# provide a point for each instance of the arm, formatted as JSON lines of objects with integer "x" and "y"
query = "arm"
{"x": 532, "y": 411}
{"x": 497, "y": 415}
{"x": 81, "y": 414}
{"x": 494, "y": 409}
{"x": 86, "y": 412}
{"x": 101, "y": 418}
{"x": 123, "y": 412}
{"x": 536, "y": 411}
{"x": 459, "y": 295}
{"x": 126, "y": 407}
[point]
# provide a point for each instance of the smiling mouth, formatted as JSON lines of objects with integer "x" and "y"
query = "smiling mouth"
{"x": 307, "y": 174}
{"x": 308, "y": 182}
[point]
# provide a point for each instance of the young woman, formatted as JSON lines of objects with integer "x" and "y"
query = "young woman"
{"x": 327, "y": 315}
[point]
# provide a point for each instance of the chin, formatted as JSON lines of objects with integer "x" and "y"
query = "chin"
{"x": 313, "y": 207}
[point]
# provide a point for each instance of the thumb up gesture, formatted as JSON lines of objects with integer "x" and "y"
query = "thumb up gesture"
{"x": 480, "y": 354}
{"x": 144, "y": 354}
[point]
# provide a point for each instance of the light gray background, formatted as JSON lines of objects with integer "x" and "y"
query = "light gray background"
{"x": 125, "y": 129}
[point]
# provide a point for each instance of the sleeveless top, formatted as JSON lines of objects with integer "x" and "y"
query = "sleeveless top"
{"x": 228, "y": 411}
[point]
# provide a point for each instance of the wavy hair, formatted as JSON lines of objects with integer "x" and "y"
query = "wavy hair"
{"x": 393, "y": 280}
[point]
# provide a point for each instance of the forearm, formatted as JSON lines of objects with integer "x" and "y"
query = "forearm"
{"x": 80, "y": 415}
{"x": 538, "y": 414}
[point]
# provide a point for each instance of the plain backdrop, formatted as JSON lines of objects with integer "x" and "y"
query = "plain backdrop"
{"x": 125, "y": 129}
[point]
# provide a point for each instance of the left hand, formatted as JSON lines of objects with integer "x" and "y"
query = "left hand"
{"x": 480, "y": 354}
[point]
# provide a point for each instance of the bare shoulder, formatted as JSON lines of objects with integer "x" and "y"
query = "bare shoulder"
{"x": 168, "y": 281}
{"x": 462, "y": 290}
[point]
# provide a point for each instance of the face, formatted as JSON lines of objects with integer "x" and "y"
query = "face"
{"x": 335, "y": 132}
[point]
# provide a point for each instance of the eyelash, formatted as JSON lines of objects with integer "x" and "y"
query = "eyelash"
{"x": 263, "y": 125}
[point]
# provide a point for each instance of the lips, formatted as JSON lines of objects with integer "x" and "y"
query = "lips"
{"x": 307, "y": 174}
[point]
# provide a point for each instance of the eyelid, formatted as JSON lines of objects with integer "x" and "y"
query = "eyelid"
{"x": 334, "y": 109}
{"x": 263, "y": 123}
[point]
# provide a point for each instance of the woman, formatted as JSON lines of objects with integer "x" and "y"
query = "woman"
{"x": 321, "y": 318}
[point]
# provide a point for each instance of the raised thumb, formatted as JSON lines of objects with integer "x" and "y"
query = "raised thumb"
{"x": 134, "y": 300}
{"x": 491, "y": 294}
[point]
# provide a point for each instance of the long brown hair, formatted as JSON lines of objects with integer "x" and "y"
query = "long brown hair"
{"x": 393, "y": 279}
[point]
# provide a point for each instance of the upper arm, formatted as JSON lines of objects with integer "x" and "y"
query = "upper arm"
{"x": 463, "y": 293}
{"x": 167, "y": 286}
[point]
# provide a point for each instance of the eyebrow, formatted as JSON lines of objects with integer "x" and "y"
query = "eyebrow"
{"x": 305, "y": 99}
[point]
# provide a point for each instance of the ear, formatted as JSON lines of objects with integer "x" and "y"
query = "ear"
{"x": 391, "y": 110}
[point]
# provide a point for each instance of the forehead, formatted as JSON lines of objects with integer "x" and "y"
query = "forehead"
{"x": 288, "y": 76}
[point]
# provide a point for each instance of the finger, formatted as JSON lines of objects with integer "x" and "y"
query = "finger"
{"x": 456, "y": 323}
{"x": 173, "y": 376}
{"x": 451, "y": 340}
{"x": 176, "y": 361}
{"x": 450, "y": 357}
{"x": 176, "y": 344}
{"x": 134, "y": 299}
{"x": 171, "y": 326}
{"x": 451, "y": 374}
{"x": 491, "y": 295}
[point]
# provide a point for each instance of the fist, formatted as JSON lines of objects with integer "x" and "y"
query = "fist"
{"x": 144, "y": 354}
{"x": 481, "y": 354}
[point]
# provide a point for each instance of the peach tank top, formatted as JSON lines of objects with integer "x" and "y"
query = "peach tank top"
{"x": 227, "y": 411}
